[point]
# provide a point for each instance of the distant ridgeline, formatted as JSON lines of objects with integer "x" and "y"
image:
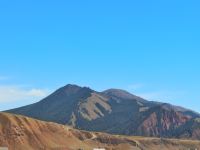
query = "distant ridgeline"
{"x": 114, "y": 111}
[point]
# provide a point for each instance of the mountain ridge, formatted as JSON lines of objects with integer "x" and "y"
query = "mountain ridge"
{"x": 23, "y": 133}
{"x": 114, "y": 111}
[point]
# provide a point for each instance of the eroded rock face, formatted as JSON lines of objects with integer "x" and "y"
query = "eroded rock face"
{"x": 23, "y": 133}
{"x": 161, "y": 122}
{"x": 113, "y": 111}
{"x": 94, "y": 107}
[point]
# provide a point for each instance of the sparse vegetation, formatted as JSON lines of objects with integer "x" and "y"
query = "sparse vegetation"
{"x": 23, "y": 133}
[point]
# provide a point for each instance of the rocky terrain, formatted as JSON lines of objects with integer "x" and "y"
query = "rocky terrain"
{"x": 24, "y": 133}
{"x": 114, "y": 111}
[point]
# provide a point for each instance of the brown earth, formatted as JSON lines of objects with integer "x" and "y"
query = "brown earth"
{"x": 23, "y": 133}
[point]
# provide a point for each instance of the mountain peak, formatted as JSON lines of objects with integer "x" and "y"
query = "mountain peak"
{"x": 73, "y": 88}
{"x": 113, "y": 111}
{"x": 122, "y": 94}
{"x": 118, "y": 93}
{"x": 71, "y": 85}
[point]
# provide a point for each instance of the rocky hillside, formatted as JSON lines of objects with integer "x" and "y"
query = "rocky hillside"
{"x": 23, "y": 133}
{"x": 113, "y": 111}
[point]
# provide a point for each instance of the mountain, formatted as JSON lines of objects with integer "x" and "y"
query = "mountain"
{"x": 113, "y": 111}
{"x": 189, "y": 130}
{"x": 23, "y": 133}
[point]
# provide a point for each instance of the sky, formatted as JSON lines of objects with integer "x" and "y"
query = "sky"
{"x": 149, "y": 48}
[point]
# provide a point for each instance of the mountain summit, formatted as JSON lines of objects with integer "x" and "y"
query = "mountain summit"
{"x": 113, "y": 111}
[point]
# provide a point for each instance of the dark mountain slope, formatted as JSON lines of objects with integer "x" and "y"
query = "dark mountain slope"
{"x": 57, "y": 107}
{"x": 157, "y": 121}
{"x": 23, "y": 133}
{"x": 113, "y": 111}
{"x": 191, "y": 130}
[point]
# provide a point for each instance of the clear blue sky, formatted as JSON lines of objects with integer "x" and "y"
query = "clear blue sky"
{"x": 150, "y": 48}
